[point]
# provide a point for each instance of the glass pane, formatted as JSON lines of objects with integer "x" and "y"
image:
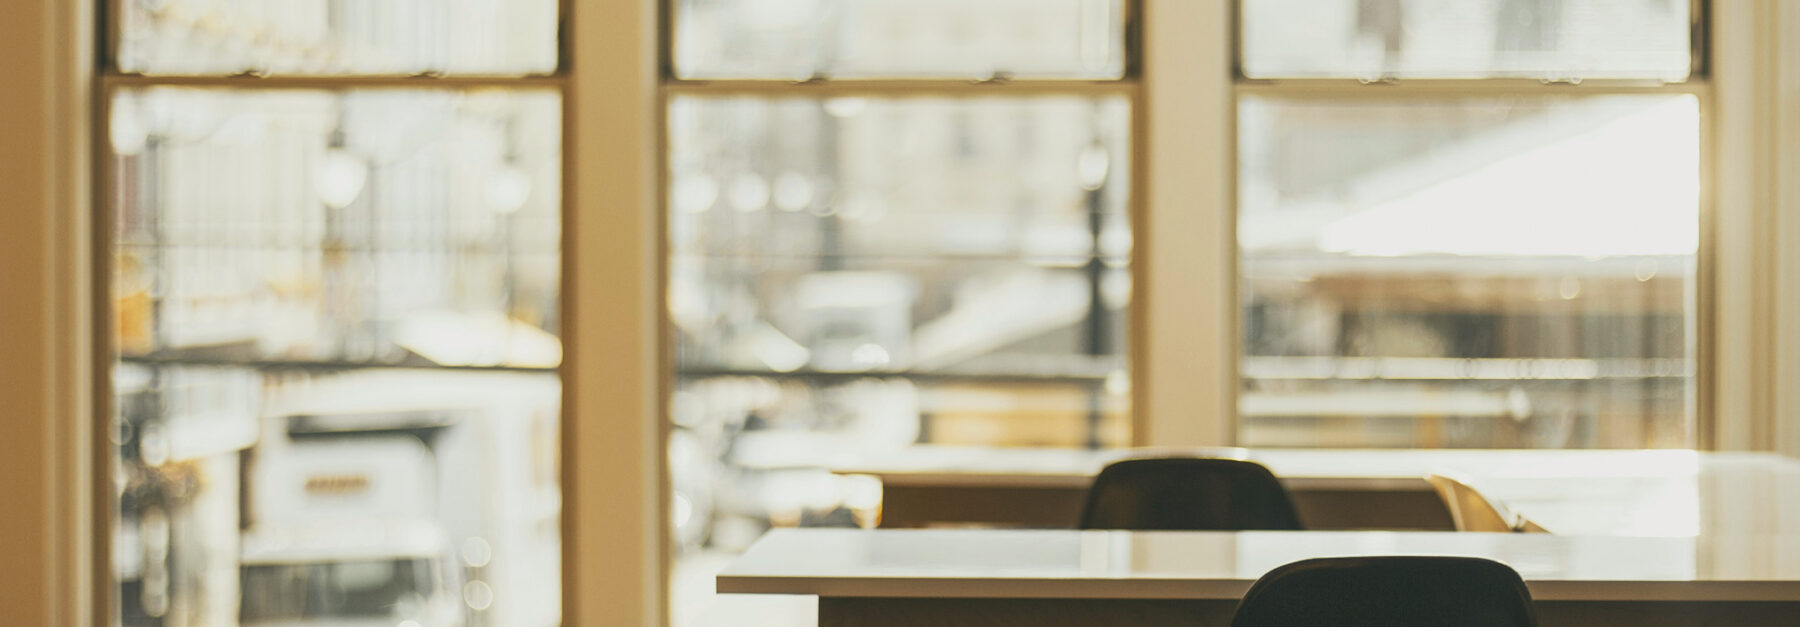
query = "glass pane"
{"x": 842, "y": 178}
{"x": 369, "y": 227}
{"x": 908, "y": 215}
{"x": 338, "y": 37}
{"x": 1536, "y": 39}
{"x": 795, "y": 39}
{"x": 851, "y": 275}
{"x": 943, "y": 317}
{"x": 1504, "y": 273}
{"x": 296, "y": 275}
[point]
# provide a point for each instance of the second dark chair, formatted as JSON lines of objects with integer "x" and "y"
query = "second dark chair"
{"x": 1398, "y": 591}
{"x": 1188, "y": 494}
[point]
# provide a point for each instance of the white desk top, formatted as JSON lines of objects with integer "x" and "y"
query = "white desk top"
{"x": 1222, "y": 565}
{"x": 1664, "y": 493}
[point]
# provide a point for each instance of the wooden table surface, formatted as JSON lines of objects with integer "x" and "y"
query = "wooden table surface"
{"x": 1658, "y": 492}
{"x": 1049, "y": 577}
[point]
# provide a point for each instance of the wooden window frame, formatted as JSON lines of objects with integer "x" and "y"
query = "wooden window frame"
{"x": 614, "y": 479}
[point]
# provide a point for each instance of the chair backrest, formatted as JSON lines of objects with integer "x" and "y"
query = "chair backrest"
{"x": 1472, "y": 511}
{"x": 1388, "y": 592}
{"x": 1468, "y": 508}
{"x": 1187, "y": 494}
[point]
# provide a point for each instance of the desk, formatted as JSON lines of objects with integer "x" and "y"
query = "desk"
{"x": 1670, "y": 493}
{"x": 882, "y": 578}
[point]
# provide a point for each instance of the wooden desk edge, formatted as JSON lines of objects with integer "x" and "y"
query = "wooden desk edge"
{"x": 1231, "y": 589}
{"x": 954, "y": 479}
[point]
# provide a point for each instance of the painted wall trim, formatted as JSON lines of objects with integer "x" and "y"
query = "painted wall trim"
{"x": 1185, "y": 346}
{"x": 46, "y": 315}
{"x": 615, "y": 559}
{"x": 1786, "y": 382}
{"x": 1743, "y": 405}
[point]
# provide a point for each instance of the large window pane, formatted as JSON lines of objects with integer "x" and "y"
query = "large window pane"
{"x": 337, "y": 37}
{"x": 849, "y": 275}
{"x": 1536, "y": 39}
{"x": 796, "y": 39}
{"x": 920, "y": 219}
{"x": 1039, "y": 179}
{"x": 369, "y": 227}
{"x": 1497, "y": 272}
{"x": 337, "y": 322}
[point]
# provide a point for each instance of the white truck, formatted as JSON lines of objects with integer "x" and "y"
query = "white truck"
{"x": 343, "y": 535}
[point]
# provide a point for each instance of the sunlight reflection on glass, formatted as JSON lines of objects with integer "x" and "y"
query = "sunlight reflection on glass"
{"x": 1412, "y": 268}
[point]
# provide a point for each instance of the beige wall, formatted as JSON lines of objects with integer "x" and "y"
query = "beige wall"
{"x": 42, "y": 305}
{"x": 1787, "y": 227}
{"x": 23, "y": 321}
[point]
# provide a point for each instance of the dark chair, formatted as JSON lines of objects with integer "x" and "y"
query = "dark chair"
{"x": 1388, "y": 592}
{"x": 1187, "y": 494}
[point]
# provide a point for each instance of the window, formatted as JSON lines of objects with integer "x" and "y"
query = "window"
{"x": 923, "y": 39}
{"x": 336, "y": 311}
{"x": 1467, "y": 39}
{"x": 1468, "y": 224}
{"x": 889, "y": 223}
